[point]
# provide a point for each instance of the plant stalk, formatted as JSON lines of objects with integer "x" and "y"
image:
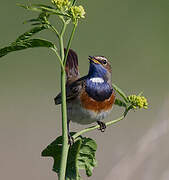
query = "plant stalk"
{"x": 65, "y": 146}
{"x": 69, "y": 42}
{"x": 60, "y": 60}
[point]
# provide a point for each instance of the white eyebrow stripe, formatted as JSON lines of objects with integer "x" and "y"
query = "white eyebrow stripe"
{"x": 97, "y": 80}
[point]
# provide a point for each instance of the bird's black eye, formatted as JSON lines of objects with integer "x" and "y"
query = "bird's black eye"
{"x": 104, "y": 62}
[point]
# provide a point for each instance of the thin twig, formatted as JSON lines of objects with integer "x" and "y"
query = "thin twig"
{"x": 96, "y": 127}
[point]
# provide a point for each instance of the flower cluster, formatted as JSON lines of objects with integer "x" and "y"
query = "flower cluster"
{"x": 138, "y": 101}
{"x": 75, "y": 12}
{"x": 62, "y": 5}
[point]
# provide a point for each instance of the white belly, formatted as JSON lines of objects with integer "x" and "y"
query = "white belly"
{"x": 76, "y": 113}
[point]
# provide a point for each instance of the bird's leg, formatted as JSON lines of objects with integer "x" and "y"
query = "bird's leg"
{"x": 102, "y": 126}
{"x": 70, "y": 138}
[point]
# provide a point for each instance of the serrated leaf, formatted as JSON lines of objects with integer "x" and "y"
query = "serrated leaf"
{"x": 86, "y": 155}
{"x": 92, "y": 144}
{"x": 81, "y": 156}
{"x": 121, "y": 93}
{"x": 30, "y": 43}
{"x": 86, "y": 150}
{"x": 30, "y": 33}
{"x": 89, "y": 169}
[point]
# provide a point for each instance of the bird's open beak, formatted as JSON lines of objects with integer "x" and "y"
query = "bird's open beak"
{"x": 93, "y": 60}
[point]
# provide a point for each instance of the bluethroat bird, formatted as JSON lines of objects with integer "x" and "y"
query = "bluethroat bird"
{"x": 89, "y": 98}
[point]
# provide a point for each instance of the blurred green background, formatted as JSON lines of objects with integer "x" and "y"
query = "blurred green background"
{"x": 134, "y": 36}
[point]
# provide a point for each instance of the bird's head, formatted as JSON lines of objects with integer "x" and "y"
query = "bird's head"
{"x": 100, "y": 67}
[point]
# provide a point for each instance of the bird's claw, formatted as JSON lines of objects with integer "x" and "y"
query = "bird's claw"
{"x": 102, "y": 126}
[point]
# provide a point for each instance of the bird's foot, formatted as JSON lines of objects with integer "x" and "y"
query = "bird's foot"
{"x": 70, "y": 140}
{"x": 102, "y": 126}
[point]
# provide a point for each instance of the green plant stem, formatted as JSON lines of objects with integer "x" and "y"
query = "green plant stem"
{"x": 96, "y": 127}
{"x": 63, "y": 29}
{"x": 54, "y": 30}
{"x": 65, "y": 146}
{"x": 69, "y": 42}
{"x": 60, "y": 60}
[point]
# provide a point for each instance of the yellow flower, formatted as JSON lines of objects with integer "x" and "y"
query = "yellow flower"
{"x": 138, "y": 101}
{"x": 62, "y": 5}
{"x": 77, "y": 12}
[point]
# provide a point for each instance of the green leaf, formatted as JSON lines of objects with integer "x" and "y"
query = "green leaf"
{"x": 86, "y": 156}
{"x": 54, "y": 150}
{"x": 30, "y": 43}
{"x": 43, "y": 8}
{"x": 120, "y": 103}
{"x": 31, "y": 21}
{"x": 29, "y": 7}
{"x": 121, "y": 93}
{"x": 81, "y": 156}
{"x": 30, "y": 33}
{"x": 42, "y": 19}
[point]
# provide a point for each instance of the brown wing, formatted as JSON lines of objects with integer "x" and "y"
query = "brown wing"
{"x": 72, "y": 90}
{"x": 72, "y": 75}
{"x": 72, "y": 71}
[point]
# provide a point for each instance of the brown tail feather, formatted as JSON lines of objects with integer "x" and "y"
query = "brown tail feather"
{"x": 72, "y": 71}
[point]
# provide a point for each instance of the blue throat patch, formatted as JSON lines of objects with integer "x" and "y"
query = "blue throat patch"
{"x": 96, "y": 90}
{"x": 97, "y": 70}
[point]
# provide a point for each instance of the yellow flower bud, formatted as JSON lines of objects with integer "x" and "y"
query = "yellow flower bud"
{"x": 138, "y": 101}
{"x": 77, "y": 12}
{"x": 62, "y": 5}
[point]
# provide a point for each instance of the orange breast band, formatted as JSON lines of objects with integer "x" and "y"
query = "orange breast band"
{"x": 96, "y": 106}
